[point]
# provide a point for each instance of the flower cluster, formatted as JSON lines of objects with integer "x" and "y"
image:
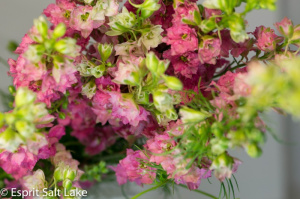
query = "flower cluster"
{"x": 157, "y": 91}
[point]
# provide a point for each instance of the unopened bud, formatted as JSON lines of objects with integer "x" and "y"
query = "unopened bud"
{"x": 59, "y": 31}
{"x": 24, "y": 96}
{"x": 173, "y": 83}
{"x": 190, "y": 115}
{"x": 105, "y": 51}
{"x": 67, "y": 184}
{"x": 253, "y": 150}
{"x": 42, "y": 26}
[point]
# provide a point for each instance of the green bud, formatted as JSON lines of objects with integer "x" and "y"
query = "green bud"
{"x": 190, "y": 115}
{"x": 162, "y": 66}
{"x": 122, "y": 22}
{"x": 59, "y": 31}
{"x": 208, "y": 25}
{"x": 143, "y": 98}
{"x": 253, "y": 150}
{"x": 219, "y": 146}
{"x": 162, "y": 101}
{"x": 42, "y": 26}
{"x": 26, "y": 129}
{"x": 173, "y": 82}
{"x": 67, "y": 184}
{"x": 58, "y": 175}
{"x": 105, "y": 51}
{"x": 89, "y": 89}
{"x": 10, "y": 140}
{"x": 69, "y": 174}
{"x": 34, "y": 52}
{"x": 24, "y": 96}
{"x": 98, "y": 71}
{"x": 152, "y": 62}
{"x": 67, "y": 46}
{"x": 12, "y": 90}
{"x": 171, "y": 114}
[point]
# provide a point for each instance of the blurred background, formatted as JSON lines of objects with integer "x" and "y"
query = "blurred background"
{"x": 275, "y": 175}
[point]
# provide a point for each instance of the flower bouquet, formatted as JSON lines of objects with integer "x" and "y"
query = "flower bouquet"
{"x": 151, "y": 91}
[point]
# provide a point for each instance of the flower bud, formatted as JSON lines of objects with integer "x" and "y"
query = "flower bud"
{"x": 208, "y": 25}
{"x": 67, "y": 46}
{"x": 25, "y": 129}
{"x": 296, "y": 36}
{"x": 69, "y": 174}
{"x": 152, "y": 62}
{"x": 285, "y": 27}
{"x": 162, "y": 101}
{"x": 190, "y": 115}
{"x": 173, "y": 82}
{"x": 143, "y": 98}
{"x": 42, "y": 26}
{"x": 253, "y": 150}
{"x": 62, "y": 115}
{"x": 10, "y": 140}
{"x": 67, "y": 184}
{"x": 12, "y": 90}
{"x": 58, "y": 175}
{"x": 171, "y": 114}
{"x": 34, "y": 53}
{"x": 89, "y": 89}
{"x": 98, "y": 71}
{"x": 59, "y": 31}
{"x": 219, "y": 146}
{"x": 24, "y": 96}
{"x": 105, "y": 51}
{"x": 122, "y": 22}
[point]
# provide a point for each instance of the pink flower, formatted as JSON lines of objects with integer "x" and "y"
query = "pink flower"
{"x": 266, "y": 38}
{"x": 163, "y": 16}
{"x": 209, "y": 50}
{"x": 184, "y": 11}
{"x": 186, "y": 64}
{"x": 82, "y": 21}
{"x": 158, "y": 145}
{"x": 182, "y": 39}
{"x": 285, "y": 27}
{"x": 26, "y": 41}
{"x": 134, "y": 168}
{"x": 17, "y": 164}
{"x": 60, "y": 12}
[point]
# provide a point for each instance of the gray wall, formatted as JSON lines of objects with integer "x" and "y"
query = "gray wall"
{"x": 275, "y": 175}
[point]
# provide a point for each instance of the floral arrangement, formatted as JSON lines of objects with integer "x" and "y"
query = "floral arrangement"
{"x": 155, "y": 92}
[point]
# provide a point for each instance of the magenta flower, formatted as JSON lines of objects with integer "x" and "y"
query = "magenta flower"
{"x": 186, "y": 64}
{"x": 285, "y": 27}
{"x": 17, "y": 164}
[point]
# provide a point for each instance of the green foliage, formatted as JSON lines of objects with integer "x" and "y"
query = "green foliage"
{"x": 94, "y": 172}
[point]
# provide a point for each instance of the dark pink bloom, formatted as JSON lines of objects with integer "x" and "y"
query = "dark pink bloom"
{"x": 17, "y": 164}
{"x": 182, "y": 39}
{"x": 186, "y": 64}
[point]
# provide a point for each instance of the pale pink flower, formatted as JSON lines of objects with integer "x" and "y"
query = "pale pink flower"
{"x": 266, "y": 38}
{"x": 209, "y": 50}
{"x": 82, "y": 21}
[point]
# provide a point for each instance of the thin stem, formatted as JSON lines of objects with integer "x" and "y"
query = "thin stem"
{"x": 287, "y": 47}
{"x": 201, "y": 192}
{"x": 148, "y": 190}
{"x": 297, "y": 51}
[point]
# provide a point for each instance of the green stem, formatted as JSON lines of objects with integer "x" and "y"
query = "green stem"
{"x": 148, "y": 190}
{"x": 201, "y": 192}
